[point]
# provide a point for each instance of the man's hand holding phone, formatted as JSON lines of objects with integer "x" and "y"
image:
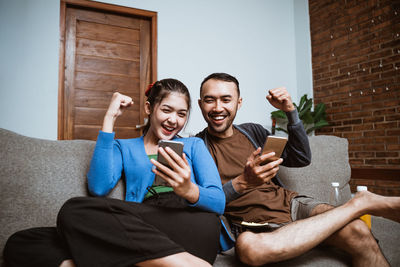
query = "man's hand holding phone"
{"x": 176, "y": 174}
{"x": 262, "y": 168}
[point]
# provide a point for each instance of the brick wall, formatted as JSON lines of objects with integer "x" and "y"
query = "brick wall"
{"x": 356, "y": 73}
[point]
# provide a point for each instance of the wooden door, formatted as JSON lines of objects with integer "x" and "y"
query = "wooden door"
{"x": 106, "y": 50}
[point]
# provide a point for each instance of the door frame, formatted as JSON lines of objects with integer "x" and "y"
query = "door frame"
{"x": 152, "y": 16}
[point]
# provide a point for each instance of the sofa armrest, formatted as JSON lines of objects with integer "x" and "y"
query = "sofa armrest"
{"x": 330, "y": 163}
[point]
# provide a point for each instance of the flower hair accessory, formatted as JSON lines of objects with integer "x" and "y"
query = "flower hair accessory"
{"x": 147, "y": 92}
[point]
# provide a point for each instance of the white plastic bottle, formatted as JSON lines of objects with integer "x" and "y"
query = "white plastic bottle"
{"x": 366, "y": 218}
{"x": 335, "y": 198}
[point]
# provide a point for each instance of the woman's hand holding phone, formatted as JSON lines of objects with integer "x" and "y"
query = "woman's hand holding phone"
{"x": 177, "y": 175}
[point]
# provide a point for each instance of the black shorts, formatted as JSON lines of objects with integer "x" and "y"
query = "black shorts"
{"x": 111, "y": 232}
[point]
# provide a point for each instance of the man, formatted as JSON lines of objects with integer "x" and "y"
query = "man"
{"x": 253, "y": 193}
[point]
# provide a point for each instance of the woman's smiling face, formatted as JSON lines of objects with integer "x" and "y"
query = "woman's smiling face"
{"x": 169, "y": 116}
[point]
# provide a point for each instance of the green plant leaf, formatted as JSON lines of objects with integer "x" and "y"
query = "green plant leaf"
{"x": 303, "y": 99}
{"x": 307, "y": 118}
{"x": 306, "y": 108}
{"x": 321, "y": 123}
{"x": 308, "y": 131}
{"x": 281, "y": 129}
{"x": 312, "y": 120}
{"x": 317, "y": 126}
{"x": 319, "y": 112}
{"x": 278, "y": 114}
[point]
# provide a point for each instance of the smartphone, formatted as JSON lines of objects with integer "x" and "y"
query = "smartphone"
{"x": 276, "y": 144}
{"x": 175, "y": 146}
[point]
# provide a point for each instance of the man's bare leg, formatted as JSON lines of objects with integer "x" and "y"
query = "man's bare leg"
{"x": 356, "y": 239}
{"x": 299, "y": 237}
{"x": 176, "y": 260}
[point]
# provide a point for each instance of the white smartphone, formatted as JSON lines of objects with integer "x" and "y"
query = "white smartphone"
{"x": 175, "y": 146}
{"x": 274, "y": 144}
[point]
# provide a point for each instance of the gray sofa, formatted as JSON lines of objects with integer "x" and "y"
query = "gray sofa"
{"x": 37, "y": 176}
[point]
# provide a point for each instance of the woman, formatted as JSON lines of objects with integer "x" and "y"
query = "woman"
{"x": 170, "y": 223}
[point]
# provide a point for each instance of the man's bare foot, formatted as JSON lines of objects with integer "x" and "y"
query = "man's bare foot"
{"x": 377, "y": 205}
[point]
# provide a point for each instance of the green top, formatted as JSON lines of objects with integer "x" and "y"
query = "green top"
{"x": 155, "y": 188}
{"x": 152, "y": 156}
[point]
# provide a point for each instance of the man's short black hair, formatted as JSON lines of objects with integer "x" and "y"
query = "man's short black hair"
{"x": 220, "y": 76}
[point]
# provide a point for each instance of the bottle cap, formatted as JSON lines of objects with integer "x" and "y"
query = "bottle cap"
{"x": 362, "y": 188}
{"x": 335, "y": 184}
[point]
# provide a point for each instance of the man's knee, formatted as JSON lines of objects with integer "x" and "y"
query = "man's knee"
{"x": 359, "y": 229}
{"x": 255, "y": 250}
{"x": 360, "y": 234}
{"x": 244, "y": 248}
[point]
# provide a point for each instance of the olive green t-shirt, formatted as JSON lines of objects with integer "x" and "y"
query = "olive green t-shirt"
{"x": 265, "y": 203}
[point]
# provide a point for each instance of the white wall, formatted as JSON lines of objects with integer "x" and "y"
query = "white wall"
{"x": 303, "y": 48}
{"x": 263, "y": 43}
{"x": 29, "y": 34}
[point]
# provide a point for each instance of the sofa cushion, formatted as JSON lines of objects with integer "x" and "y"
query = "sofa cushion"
{"x": 37, "y": 177}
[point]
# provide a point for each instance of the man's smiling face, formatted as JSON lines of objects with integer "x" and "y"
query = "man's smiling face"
{"x": 219, "y": 102}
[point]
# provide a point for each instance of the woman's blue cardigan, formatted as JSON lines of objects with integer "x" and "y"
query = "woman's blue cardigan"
{"x": 112, "y": 158}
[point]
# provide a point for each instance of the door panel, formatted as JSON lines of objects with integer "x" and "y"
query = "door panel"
{"x": 105, "y": 51}
{"x": 101, "y": 82}
{"x": 94, "y": 116}
{"x": 107, "y": 66}
{"x": 97, "y": 31}
{"x": 111, "y": 19}
{"x": 99, "y": 99}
